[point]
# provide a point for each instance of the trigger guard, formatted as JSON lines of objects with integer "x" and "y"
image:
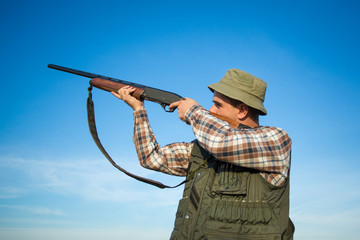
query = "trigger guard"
{"x": 167, "y": 109}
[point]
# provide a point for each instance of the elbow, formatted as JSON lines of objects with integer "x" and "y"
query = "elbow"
{"x": 144, "y": 163}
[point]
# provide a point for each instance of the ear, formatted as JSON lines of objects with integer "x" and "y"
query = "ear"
{"x": 243, "y": 111}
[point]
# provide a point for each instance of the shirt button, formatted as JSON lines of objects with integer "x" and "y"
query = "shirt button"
{"x": 187, "y": 216}
{"x": 198, "y": 174}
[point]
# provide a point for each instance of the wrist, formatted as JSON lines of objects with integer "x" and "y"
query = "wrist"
{"x": 190, "y": 112}
{"x": 138, "y": 107}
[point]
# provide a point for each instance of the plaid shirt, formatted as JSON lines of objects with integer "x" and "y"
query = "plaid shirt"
{"x": 267, "y": 149}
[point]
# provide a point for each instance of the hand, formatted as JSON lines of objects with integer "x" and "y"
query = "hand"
{"x": 183, "y": 105}
{"x": 124, "y": 94}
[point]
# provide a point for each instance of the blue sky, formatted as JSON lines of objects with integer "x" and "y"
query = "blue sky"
{"x": 55, "y": 184}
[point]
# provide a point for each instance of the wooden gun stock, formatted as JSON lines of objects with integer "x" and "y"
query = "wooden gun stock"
{"x": 232, "y": 123}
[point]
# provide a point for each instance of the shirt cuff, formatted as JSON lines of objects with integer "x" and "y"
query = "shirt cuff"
{"x": 191, "y": 112}
{"x": 140, "y": 115}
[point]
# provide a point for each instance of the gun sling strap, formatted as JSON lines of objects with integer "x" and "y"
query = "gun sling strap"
{"x": 94, "y": 134}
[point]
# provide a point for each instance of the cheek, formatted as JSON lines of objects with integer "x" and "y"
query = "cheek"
{"x": 228, "y": 112}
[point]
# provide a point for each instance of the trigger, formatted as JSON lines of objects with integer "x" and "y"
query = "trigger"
{"x": 165, "y": 107}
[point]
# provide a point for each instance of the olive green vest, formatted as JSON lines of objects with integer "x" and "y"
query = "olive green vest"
{"x": 223, "y": 201}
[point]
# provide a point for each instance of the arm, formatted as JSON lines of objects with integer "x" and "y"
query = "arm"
{"x": 266, "y": 149}
{"x": 171, "y": 159}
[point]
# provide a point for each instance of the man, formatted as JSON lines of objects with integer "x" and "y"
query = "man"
{"x": 237, "y": 178}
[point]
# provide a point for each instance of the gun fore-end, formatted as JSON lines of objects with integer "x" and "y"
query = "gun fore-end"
{"x": 112, "y": 86}
{"x": 164, "y": 98}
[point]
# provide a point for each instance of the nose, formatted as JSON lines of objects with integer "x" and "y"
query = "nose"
{"x": 212, "y": 109}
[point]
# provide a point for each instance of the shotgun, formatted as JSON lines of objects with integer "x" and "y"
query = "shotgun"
{"x": 164, "y": 98}
{"x": 142, "y": 92}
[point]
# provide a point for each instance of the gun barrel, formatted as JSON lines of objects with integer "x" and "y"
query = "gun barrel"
{"x": 73, "y": 71}
{"x": 93, "y": 75}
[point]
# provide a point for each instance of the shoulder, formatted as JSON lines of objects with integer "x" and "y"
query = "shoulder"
{"x": 278, "y": 135}
{"x": 272, "y": 134}
{"x": 272, "y": 131}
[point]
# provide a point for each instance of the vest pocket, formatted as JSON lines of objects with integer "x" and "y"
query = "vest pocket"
{"x": 241, "y": 212}
{"x": 229, "y": 180}
{"x": 235, "y": 218}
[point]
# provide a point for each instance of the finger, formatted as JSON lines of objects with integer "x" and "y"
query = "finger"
{"x": 131, "y": 90}
{"x": 174, "y": 105}
{"x": 127, "y": 90}
{"x": 116, "y": 95}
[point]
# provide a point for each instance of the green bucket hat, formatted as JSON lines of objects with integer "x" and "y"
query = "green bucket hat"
{"x": 242, "y": 86}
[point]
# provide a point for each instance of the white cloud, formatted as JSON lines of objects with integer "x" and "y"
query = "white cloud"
{"x": 94, "y": 180}
{"x": 324, "y": 201}
{"x": 7, "y": 192}
{"x": 71, "y": 194}
{"x": 121, "y": 232}
{"x": 330, "y": 226}
{"x": 34, "y": 209}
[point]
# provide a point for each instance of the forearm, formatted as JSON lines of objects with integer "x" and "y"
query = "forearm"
{"x": 171, "y": 159}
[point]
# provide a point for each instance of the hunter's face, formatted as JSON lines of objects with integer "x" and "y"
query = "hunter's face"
{"x": 222, "y": 106}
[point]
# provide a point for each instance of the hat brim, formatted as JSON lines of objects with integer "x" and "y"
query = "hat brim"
{"x": 240, "y": 95}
